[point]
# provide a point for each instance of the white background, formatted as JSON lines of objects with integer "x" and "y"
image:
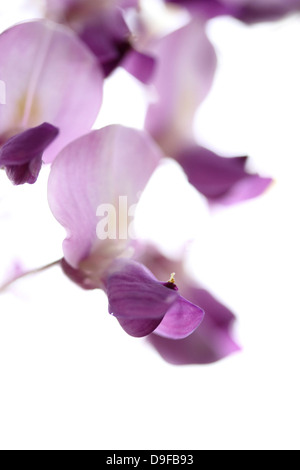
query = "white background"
{"x": 70, "y": 378}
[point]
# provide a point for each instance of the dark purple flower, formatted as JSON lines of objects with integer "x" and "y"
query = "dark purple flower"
{"x": 221, "y": 180}
{"x": 249, "y": 11}
{"x": 21, "y": 155}
{"x": 213, "y": 339}
{"x": 113, "y": 162}
{"x": 102, "y": 27}
{"x": 108, "y": 37}
{"x": 142, "y": 304}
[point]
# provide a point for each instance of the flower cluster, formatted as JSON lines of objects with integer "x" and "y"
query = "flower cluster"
{"x": 54, "y": 70}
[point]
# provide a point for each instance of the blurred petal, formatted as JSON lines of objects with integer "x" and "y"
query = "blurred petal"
{"x": 63, "y": 9}
{"x": 107, "y": 36}
{"x": 262, "y": 10}
{"x": 137, "y": 299}
{"x": 212, "y": 340}
{"x": 22, "y": 154}
{"x": 128, "y": 3}
{"x": 97, "y": 169}
{"x": 221, "y": 180}
{"x": 79, "y": 277}
{"x": 244, "y": 10}
{"x": 186, "y": 64}
{"x": 50, "y": 77}
{"x": 141, "y": 66}
{"x": 102, "y": 27}
{"x": 207, "y": 8}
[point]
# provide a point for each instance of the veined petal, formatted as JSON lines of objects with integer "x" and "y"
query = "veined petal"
{"x": 181, "y": 320}
{"x": 137, "y": 299}
{"x": 22, "y": 154}
{"x": 50, "y": 76}
{"x": 213, "y": 339}
{"x": 142, "y": 304}
{"x": 221, "y": 180}
{"x": 97, "y": 170}
{"x": 139, "y": 328}
{"x": 186, "y": 63}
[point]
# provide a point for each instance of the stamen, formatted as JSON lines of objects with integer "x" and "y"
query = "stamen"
{"x": 171, "y": 284}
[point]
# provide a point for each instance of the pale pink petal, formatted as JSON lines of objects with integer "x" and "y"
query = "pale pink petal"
{"x": 50, "y": 76}
{"x": 186, "y": 63}
{"x": 98, "y": 169}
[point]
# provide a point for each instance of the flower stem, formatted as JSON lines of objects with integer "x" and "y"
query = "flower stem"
{"x": 7, "y": 284}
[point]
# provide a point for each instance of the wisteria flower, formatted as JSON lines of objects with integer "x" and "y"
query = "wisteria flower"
{"x": 213, "y": 339}
{"x": 53, "y": 95}
{"x": 183, "y": 78}
{"x": 101, "y": 25}
{"x": 223, "y": 181}
{"x": 244, "y": 10}
{"x": 113, "y": 165}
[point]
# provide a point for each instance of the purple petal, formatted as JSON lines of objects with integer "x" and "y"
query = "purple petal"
{"x": 27, "y": 173}
{"x": 210, "y": 342}
{"x": 186, "y": 63}
{"x": 50, "y": 76}
{"x": 139, "y": 328}
{"x": 207, "y": 8}
{"x": 103, "y": 29}
{"x": 27, "y": 145}
{"x": 137, "y": 299}
{"x": 22, "y": 154}
{"x": 249, "y": 12}
{"x": 181, "y": 320}
{"x": 141, "y": 66}
{"x": 221, "y": 180}
{"x": 107, "y": 35}
{"x": 97, "y": 169}
{"x": 142, "y": 304}
{"x": 265, "y": 11}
